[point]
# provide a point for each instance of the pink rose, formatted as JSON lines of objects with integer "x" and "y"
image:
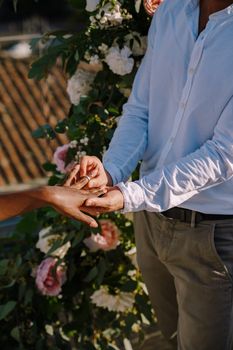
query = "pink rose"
{"x": 151, "y": 6}
{"x": 108, "y": 239}
{"x": 59, "y": 159}
{"x": 48, "y": 280}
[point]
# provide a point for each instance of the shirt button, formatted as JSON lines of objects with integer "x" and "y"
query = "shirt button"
{"x": 191, "y": 70}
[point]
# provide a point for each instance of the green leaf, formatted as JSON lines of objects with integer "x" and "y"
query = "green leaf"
{"x": 9, "y": 285}
{"x": 40, "y": 68}
{"x": 61, "y": 126}
{"x": 78, "y": 239}
{"x": 28, "y": 224}
{"x": 91, "y": 274}
{"x": 49, "y": 167}
{"x": 28, "y": 296}
{"x": 6, "y": 309}
{"x": 55, "y": 246}
{"x": 102, "y": 268}
{"x": 129, "y": 286}
{"x": 144, "y": 307}
{"x": 16, "y": 334}
{"x": 3, "y": 266}
{"x": 44, "y": 131}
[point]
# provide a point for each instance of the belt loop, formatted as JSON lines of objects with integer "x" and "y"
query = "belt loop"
{"x": 193, "y": 219}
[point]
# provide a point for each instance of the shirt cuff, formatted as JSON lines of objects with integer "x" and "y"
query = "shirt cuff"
{"x": 133, "y": 197}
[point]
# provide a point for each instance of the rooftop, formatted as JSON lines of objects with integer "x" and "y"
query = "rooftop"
{"x": 24, "y": 105}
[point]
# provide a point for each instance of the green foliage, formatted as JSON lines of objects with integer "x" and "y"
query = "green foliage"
{"x": 29, "y": 319}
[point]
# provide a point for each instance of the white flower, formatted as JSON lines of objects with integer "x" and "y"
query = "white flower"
{"x": 94, "y": 59}
{"x": 79, "y": 85}
{"x": 20, "y": 51}
{"x": 84, "y": 141}
{"x": 45, "y": 243}
{"x": 80, "y": 154}
{"x": 91, "y": 5}
{"x": 139, "y": 43}
{"x": 136, "y": 327}
{"x": 132, "y": 255}
{"x": 103, "y": 48}
{"x": 73, "y": 144}
{"x": 126, "y": 92}
{"x": 120, "y": 302}
{"x": 110, "y": 15}
{"x": 138, "y": 5}
{"x": 127, "y": 344}
{"x": 119, "y": 60}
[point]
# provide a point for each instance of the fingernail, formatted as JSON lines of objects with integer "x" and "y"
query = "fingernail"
{"x": 89, "y": 204}
{"x": 93, "y": 224}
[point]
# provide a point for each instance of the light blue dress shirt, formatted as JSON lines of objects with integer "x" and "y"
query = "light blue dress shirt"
{"x": 179, "y": 117}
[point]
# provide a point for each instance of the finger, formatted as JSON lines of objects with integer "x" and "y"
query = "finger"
{"x": 97, "y": 191}
{"x": 93, "y": 193}
{"x": 93, "y": 172}
{"x": 98, "y": 202}
{"x": 86, "y": 219}
{"x": 95, "y": 183}
{"x": 94, "y": 211}
{"x": 86, "y": 164}
{"x": 79, "y": 216}
{"x": 81, "y": 183}
{"x": 72, "y": 175}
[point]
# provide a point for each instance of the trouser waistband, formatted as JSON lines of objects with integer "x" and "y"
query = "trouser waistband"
{"x": 191, "y": 216}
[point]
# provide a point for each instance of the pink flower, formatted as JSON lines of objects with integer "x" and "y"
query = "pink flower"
{"x": 108, "y": 239}
{"x": 49, "y": 280}
{"x": 59, "y": 158}
{"x": 151, "y": 6}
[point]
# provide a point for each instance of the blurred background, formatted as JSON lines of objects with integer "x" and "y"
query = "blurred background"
{"x": 25, "y": 104}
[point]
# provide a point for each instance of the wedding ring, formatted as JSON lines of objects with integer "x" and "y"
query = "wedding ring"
{"x": 87, "y": 177}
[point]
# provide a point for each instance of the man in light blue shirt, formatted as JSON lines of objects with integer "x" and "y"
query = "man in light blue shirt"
{"x": 179, "y": 122}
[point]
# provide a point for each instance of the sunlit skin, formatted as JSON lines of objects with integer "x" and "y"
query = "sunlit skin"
{"x": 66, "y": 200}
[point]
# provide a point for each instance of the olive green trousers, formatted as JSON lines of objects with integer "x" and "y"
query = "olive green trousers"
{"x": 188, "y": 273}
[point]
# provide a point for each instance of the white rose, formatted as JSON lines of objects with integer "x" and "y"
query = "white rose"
{"x": 139, "y": 43}
{"x": 119, "y": 60}
{"x": 79, "y": 85}
{"x": 91, "y": 5}
{"x": 45, "y": 243}
{"x": 120, "y": 302}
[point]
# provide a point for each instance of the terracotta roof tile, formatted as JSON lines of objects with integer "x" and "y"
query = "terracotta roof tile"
{"x": 24, "y": 105}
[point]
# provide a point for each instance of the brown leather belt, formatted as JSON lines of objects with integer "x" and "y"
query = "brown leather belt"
{"x": 192, "y": 217}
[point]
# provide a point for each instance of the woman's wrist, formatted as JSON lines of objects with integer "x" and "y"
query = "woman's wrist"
{"x": 43, "y": 195}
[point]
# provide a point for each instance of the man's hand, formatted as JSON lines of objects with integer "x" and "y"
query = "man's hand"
{"x": 92, "y": 166}
{"x": 68, "y": 200}
{"x": 113, "y": 200}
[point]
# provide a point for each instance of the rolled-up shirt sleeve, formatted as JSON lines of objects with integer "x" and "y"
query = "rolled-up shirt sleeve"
{"x": 173, "y": 184}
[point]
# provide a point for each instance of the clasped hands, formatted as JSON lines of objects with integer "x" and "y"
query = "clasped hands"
{"x": 91, "y": 176}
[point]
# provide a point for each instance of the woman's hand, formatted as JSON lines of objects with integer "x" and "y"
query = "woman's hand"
{"x": 68, "y": 200}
